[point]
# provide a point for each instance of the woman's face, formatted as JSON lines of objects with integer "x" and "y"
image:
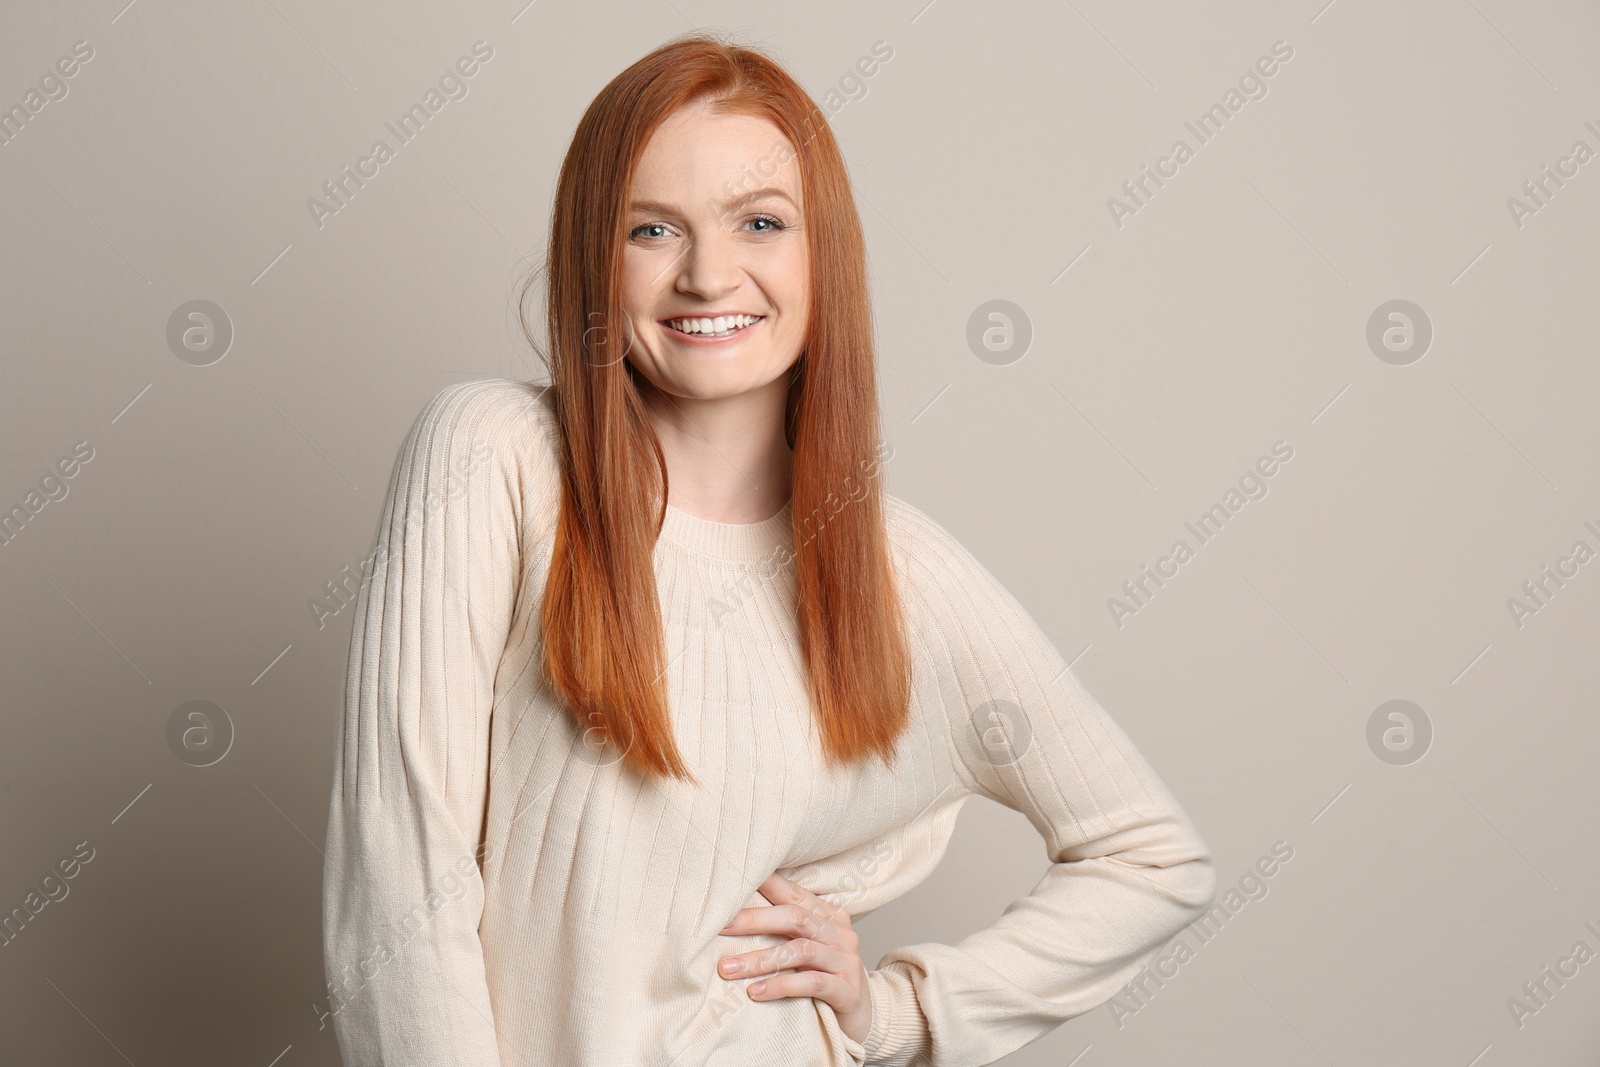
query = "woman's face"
{"x": 714, "y": 230}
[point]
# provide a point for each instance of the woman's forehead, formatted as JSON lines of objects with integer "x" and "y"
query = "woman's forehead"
{"x": 709, "y": 149}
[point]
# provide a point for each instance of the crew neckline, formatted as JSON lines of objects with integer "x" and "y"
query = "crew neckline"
{"x": 729, "y": 540}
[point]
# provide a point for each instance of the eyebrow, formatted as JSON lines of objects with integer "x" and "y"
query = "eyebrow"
{"x": 764, "y": 193}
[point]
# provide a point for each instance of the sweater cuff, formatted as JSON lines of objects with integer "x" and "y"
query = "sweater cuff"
{"x": 899, "y": 1032}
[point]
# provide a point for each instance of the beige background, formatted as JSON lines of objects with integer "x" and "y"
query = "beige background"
{"x": 1228, "y": 313}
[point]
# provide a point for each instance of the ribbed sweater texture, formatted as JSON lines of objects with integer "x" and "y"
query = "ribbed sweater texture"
{"x": 500, "y": 893}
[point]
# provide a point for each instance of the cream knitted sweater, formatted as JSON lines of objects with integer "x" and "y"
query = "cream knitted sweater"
{"x": 499, "y": 893}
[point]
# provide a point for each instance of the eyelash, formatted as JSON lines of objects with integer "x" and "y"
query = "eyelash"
{"x": 778, "y": 225}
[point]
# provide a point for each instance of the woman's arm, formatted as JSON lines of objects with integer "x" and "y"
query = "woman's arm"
{"x": 402, "y": 889}
{"x": 1128, "y": 870}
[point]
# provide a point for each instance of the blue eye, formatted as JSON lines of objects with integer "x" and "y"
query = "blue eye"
{"x": 774, "y": 225}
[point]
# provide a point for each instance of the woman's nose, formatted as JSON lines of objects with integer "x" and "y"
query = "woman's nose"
{"x": 710, "y": 266}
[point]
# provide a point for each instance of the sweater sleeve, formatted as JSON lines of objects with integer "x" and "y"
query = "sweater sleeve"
{"x": 1127, "y": 868}
{"x": 402, "y": 883}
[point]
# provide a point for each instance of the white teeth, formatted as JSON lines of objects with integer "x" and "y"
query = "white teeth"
{"x": 721, "y": 325}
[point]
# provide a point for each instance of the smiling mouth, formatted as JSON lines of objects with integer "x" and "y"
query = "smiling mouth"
{"x": 720, "y": 326}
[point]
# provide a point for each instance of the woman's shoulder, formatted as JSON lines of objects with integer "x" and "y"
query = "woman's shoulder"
{"x": 932, "y": 562}
{"x": 502, "y": 425}
{"x": 914, "y": 535}
{"x": 510, "y": 416}
{"x": 940, "y": 574}
{"x": 493, "y": 405}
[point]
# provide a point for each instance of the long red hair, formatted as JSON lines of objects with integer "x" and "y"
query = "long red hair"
{"x": 603, "y": 646}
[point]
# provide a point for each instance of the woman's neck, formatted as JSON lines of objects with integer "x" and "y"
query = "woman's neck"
{"x": 727, "y": 458}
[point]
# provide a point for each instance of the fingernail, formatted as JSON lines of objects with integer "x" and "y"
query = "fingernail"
{"x": 758, "y": 988}
{"x": 732, "y": 966}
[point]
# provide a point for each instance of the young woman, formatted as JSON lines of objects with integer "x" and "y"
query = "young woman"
{"x": 655, "y": 691}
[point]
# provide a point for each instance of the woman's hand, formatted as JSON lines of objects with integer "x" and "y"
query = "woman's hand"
{"x": 825, "y": 949}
